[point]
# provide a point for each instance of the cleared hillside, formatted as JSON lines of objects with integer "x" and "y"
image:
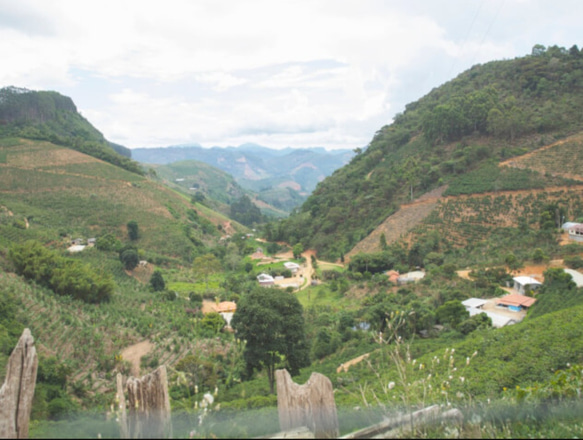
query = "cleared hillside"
{"x": 64, "y": 193}
{"x": 562, "y": 158}
{"x": 397, "y": 226}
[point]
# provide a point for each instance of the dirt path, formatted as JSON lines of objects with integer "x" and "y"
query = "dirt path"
{"x": 133, "y": 354}
{"x": 346, "y": 365}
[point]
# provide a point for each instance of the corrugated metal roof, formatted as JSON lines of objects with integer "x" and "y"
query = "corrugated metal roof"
{"x": 514, "y": 299}
{"x": 474, "y": 302}
{"x": 497, "y": 320}
{"x": 525, "y": 281}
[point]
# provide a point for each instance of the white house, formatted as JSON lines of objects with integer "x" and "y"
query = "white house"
{"x": 293, "y": 267}
{"x": 265, "y": 280}
{"x": 523, "y": 284}
{"x": 575, "y": 230}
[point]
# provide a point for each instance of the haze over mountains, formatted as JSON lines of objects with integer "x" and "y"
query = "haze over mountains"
{"x": 282, "y": 178}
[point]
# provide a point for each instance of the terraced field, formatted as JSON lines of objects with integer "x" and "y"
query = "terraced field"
{"x": 563, "y": 158}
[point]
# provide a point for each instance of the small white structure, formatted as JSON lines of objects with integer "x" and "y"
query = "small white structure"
{"x": 76, "y": 248}
{"x": 575, "y": 231}
{"x": 411, "y": 277}
{"x": 523, "y": 284}
{"x": 474, "y": 303}
{"x": 293, "y": 267}
{"x": 265, "y": 280}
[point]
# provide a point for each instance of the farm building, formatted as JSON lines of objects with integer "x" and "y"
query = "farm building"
{"x": 265, "y": 280}
{"x": 575, "y": 231}
{"x": 524, "y": 284}
{"x": 293, "y": 267}
{"x": 515, "y": 302}
{"x": 475, "y": 306}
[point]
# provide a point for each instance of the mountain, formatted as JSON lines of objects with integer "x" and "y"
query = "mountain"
{"x": 50, "y": 116}
{"x": 282, "y": 178}
{"x": 456, "y": 135}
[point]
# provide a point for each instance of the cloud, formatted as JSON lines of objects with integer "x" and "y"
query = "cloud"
{"x": 286, "y": 72}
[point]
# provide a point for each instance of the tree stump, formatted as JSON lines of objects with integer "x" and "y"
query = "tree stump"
{"x": 148, "y": 406}
{"x": 311, "y": 404}
{"x": 18, "y": 390}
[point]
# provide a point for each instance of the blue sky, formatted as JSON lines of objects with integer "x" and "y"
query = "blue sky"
{"x": 277, "y": 73}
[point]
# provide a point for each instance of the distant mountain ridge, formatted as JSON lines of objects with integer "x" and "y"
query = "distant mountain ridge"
{"x": 283, "y": 178}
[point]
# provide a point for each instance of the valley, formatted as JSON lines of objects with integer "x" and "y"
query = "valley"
{"x": 371, "y": 271}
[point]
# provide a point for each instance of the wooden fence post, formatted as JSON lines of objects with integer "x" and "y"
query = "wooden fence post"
{"x": 18, "y": 390}
{"x": 311, "y": 404}
{"x": 148, "y": 406}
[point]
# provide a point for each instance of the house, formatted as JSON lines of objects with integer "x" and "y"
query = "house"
{"x": 77, "y": 242}
{"x": 411, "y": 277}
{"x": 265, "y": 280}
{"x": 525, "y": 284}
{"x": 143, "y": 263}
{"x": 91, "y": 241}
{"x": 515, "y": 302}
{"x": 293, "y": 267}
{"x": 576, "y": 232}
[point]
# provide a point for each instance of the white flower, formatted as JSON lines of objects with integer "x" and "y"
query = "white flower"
{"x": 391, "y": 385}
{"x": 467, "y": 361}
{"x": 462, "y": 379}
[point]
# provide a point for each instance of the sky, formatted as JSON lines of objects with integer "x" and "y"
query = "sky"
{"x": 302, "y": 73}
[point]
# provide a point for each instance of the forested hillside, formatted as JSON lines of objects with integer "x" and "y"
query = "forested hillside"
{"x": 53, "y": 117}
{"x": 488, "y": 114}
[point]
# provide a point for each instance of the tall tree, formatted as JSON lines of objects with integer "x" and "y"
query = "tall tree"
{"x": 133, "y": 230}
{"x": 272, "y": 323}
{"x": 206, "y": 266}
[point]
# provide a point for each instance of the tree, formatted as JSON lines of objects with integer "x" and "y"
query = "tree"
{"x": 206, "y": 266}
{"x": 297, "y": 250}
{"x": 452, "y": 313}
{"x": 133, "y": 231}
{"x": 157, "y": 281}
{"x": 272, "y": 324}
{"x": 129, "y": 257}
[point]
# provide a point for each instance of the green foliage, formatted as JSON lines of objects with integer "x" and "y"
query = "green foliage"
{"x": 492, "y": 111}
{"x": 157, "y": 282}
{"x": 271, "y": 323}
{"x": 212, "y": 323}
{"x": 558, "y": 292}
{"x": 452, "y": 313}
{"x": 53, "y": 117}
{"x": 205, "y": 266}
{"x": 133, "y": 230}
{"x": 128, "y": 255}
{"x": 245, "y": 212}
{"x": 107, "y": 242}
{"x": 64, "y": 276}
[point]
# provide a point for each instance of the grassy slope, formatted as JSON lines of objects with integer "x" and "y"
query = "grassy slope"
{"x": 62, "y": 191}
